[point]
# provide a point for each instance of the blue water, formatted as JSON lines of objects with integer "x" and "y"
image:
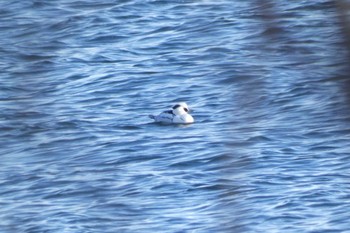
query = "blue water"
{"x": 269, "y": 88}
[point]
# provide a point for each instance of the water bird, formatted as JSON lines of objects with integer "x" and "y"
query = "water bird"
{"x": 179, "y": 114}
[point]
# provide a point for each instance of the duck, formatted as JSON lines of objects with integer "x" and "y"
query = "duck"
{"x": 178, "y": 114}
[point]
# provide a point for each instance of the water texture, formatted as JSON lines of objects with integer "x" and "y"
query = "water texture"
{"x": 268, "y": 85}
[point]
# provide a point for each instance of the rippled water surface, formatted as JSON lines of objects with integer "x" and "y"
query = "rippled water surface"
{"x": 269, "y": 88}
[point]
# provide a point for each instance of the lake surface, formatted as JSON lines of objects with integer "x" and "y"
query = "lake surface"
{"x": 268, "y": 84}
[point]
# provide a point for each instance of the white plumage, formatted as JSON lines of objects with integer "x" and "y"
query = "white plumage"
{"x": 178, "y": 115}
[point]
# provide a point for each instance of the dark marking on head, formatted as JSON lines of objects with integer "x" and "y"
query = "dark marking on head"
{"x": 186, "y": 109}
{"x": 176, "y": 106}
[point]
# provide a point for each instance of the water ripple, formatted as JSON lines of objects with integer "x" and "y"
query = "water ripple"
{"x": 268, "y": 86}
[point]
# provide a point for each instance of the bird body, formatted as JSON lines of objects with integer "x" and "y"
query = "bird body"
{"x": 177, "y": 115}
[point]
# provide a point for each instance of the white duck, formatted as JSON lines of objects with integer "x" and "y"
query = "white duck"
{"x": 177, "y": 115}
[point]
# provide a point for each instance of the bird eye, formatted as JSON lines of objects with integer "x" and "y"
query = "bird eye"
{"x": 186, "y": 109}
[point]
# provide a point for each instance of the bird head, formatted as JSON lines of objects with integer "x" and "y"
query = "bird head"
{"x": 180, "y": 108}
